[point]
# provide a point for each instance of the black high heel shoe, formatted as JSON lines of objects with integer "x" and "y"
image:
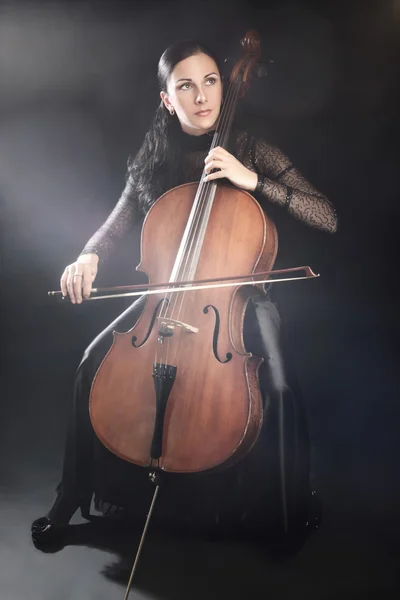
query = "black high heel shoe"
{"x": 51, "y": 529}
{"x": 45, "y": 532}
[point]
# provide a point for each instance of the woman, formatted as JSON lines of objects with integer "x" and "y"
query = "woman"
{"x": 175, "y": 150}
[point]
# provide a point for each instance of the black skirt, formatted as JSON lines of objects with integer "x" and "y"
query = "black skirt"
{"x": 268, "y": 490}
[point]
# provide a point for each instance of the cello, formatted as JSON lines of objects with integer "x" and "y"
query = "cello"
{"x": 179, "y": 390}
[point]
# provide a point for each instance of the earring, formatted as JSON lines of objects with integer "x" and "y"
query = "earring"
{"x": 172, "y": 112}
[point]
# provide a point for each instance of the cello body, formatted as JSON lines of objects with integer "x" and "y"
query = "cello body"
{"x": 179, "y": 391}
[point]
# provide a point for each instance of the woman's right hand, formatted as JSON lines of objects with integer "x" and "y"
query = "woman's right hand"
{"x": 77, "y": 278}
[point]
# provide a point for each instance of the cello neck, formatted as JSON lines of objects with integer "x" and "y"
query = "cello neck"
{"x": 190, "y": 248}
{"x": 225, "y": 120}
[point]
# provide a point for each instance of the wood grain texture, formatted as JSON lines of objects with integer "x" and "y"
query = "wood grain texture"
{"x": 214, "y": 411}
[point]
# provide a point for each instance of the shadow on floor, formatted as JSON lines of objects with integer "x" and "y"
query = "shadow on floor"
{"x": 208, "y": 564}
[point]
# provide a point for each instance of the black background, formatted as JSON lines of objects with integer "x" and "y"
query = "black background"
{"x": 77, "y": 93}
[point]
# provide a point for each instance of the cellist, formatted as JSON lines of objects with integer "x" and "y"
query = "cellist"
{"x": 174, "y": 151}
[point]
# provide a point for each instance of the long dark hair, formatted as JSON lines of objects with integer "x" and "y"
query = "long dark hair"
{"x": 155, "y": 168}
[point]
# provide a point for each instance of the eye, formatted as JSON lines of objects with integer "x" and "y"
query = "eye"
{"x": 182, "y": 87}
{"x": 212, "y": 80}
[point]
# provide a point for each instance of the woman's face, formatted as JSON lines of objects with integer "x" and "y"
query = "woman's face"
{"x": 194, "y": 91}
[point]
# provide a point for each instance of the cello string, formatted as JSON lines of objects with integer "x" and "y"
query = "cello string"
{"x": 200, "y": 225}
{"x": 190, "y": 256}
{"x": 199, "y": 210}
{"x": 203, "y": 196}
{"x": 191, "y": 253}
{"x": 204, "y": 200}
{"x": 198, "y": 217}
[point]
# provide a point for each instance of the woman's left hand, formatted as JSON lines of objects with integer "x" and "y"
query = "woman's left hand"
{"x": 231, "y": 168}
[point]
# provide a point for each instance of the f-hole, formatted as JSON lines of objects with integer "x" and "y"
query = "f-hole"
{"x": 216, "y": 334}
{"x": 153, "y": 318}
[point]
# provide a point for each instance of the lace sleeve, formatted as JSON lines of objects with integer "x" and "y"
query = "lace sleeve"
{"x": 116, "y": 227}
{"x": 306, "y": 204}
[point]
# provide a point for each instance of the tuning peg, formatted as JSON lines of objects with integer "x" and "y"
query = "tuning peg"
{"x": 262, "y": 68}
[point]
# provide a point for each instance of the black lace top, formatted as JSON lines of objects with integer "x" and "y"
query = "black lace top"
{"x": 307, "y": 204}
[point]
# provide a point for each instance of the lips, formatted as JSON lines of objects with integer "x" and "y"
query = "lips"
{"x": 203, "y": 113}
